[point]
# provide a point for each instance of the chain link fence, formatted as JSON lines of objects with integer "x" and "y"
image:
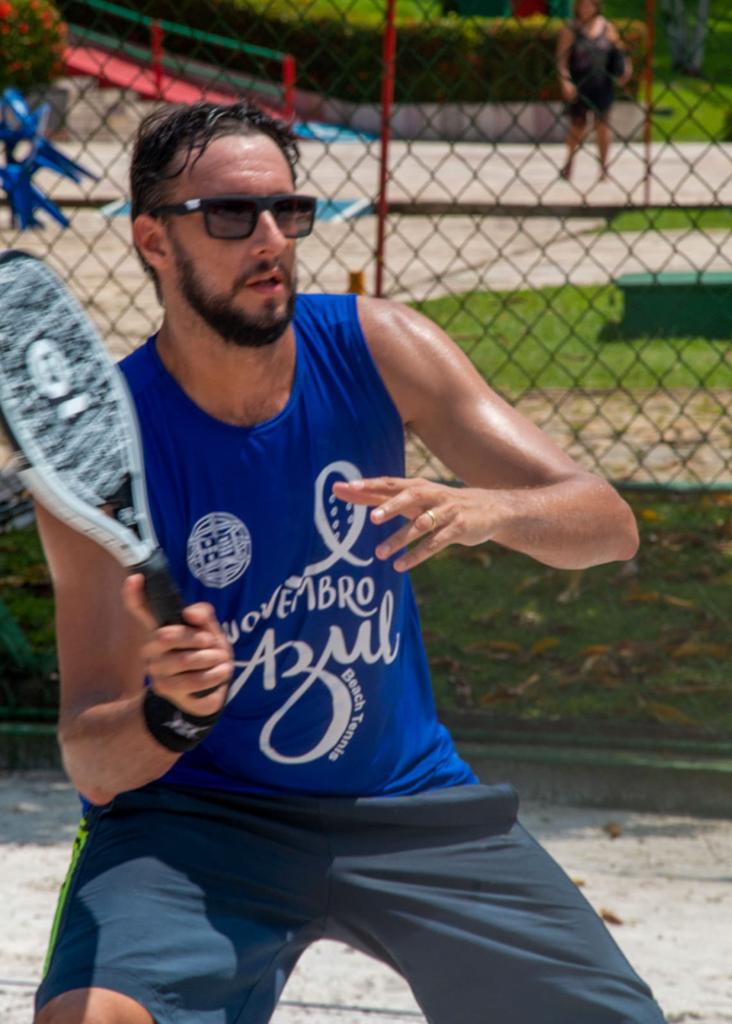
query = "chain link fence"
{"x": 435, "y": 136}
{"x": 598, "y": 303}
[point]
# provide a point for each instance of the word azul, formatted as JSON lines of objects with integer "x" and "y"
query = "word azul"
{"x": 373, "y": 643}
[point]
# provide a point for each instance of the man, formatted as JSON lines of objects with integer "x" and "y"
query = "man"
{"x": 282, "y": 777}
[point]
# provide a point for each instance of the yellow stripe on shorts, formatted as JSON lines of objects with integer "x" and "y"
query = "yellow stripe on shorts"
{"x": 82, "y": 835}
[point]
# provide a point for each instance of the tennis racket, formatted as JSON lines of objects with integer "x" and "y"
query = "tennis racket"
{"x": 70, "y": 420}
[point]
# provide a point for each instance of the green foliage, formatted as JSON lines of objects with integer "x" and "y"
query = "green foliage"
{"x": 27, "y": 636}
{"x": 32, "y": 38}
{"x": 338, "y": 51}
{"x": 16, "y": 653}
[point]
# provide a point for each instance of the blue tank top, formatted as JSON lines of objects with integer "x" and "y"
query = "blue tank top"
{"x": 331, "y": 692}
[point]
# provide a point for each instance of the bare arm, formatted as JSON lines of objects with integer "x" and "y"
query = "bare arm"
{"x": 564, "y": 45}
{"x": 106, "y": 644}
{"x": 522, "y": 491}
{"x": 616, "y": 39}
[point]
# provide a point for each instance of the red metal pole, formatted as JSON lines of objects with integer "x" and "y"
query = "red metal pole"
{"x": 648, "y": 82}
{"x": 289, "y": 74}
{"x": 387, "y": 101}
{"x": 156, "y": 48}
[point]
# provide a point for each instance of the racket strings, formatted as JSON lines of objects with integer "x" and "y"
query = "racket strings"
{"x": 63, "y": 406}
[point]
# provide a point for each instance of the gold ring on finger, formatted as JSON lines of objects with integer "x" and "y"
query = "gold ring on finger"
{"x": 433, "y": 518}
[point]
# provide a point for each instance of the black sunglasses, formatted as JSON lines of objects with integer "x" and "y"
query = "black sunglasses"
{"x": 237, "y": 216}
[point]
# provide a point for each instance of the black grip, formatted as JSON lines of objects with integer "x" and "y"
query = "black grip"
{"x": 164, "y": 599}
{"x": 160, "y": 591}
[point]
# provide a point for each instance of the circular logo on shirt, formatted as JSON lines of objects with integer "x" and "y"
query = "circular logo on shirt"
{"x": 219, "y": 549}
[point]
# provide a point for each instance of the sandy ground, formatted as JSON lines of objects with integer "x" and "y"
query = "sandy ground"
{"x": 667, "y": 881}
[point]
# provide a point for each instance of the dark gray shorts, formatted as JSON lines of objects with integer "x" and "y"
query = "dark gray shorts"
{"x": 198, "y": 905}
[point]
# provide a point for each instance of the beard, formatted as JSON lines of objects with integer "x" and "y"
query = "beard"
{"x": 233, "y": 325}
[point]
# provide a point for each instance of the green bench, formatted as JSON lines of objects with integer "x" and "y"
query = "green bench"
{"x": 672, "y": 304}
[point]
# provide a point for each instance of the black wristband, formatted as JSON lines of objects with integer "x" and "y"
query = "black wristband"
{"x": 172, "y": 727}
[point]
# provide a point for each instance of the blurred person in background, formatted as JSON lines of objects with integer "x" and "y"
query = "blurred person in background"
{"x": 590, "y": 59}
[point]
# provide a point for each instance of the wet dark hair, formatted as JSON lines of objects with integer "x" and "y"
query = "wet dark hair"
{"x": 172, "y": 137}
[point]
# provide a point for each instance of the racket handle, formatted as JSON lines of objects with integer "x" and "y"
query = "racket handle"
{"x": 160, "y": 590}
{"x": 164, "y": 600}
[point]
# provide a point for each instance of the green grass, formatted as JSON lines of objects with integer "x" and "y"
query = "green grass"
{"x": 647, "y": 642}
{"x": 690, "y": 111}
{"x": 554, "y": 338}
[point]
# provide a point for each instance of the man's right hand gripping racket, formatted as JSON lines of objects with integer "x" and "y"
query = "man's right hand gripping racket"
{"x": 69, "y": 418}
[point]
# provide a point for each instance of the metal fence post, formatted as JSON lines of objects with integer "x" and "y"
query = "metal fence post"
{"x": 387, "y": 99}
{"x": 648, "y": 83}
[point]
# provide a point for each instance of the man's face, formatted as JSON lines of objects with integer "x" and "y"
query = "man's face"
{"x": 244, "y": 289}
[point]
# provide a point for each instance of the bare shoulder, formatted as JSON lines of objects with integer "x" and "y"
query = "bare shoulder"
{"x": 446, "y": 402}
{"x": 567, "y": 31}
{"x": 565, "y": 38}
{"x": 612, "y": 33}
{"x": 415, "y": 357}
{"x": 394, "y": 330}
{"x": 384, "y": 311}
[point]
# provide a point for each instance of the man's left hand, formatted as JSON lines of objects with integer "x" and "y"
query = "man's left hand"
{"x": 436, "y": 514}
